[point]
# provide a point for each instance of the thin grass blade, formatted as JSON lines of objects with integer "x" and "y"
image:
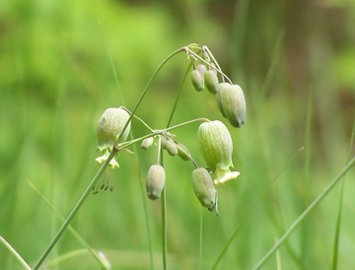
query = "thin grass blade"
{"x": 251, "y": 207}
{"x": 340, "y": 209}
{"x": 76, "y": 235}
{"x": 15, "y": 253}
{"x": 305, "y": 213}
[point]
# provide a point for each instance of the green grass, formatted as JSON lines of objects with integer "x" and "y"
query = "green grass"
{"x": 62, "y": 63}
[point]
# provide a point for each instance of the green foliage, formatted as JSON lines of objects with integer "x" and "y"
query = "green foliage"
{"x": 57, "y": 65}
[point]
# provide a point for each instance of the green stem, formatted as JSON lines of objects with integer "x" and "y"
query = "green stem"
{"x": 14, "y": 252}
{"x": 201, "y": 239}
{"x": 66, "y": 257}
{"x": 181, "y": 87}
{"x": 175, "y": 106}
{"x": 144, "y": 202}
{"x": 159, "y": 132}
{"x": 103, "y": 167}
{"x": 251, "y": 207}
{"x": 186, "y": 123}
{"x": 80, "y": 239}
{"x": 313, "y": 204}
{"x": 337, "y": 227}
{"x": 340, "y": 209}
{"x": 209, "y": 53}
{"x": 139, "y": 119}
{"x": 75, "y": 209}
{"x": 165, "y": 229}
{"x": 159, "y": 154}
{"x": 163, "y": 203}
{"x": 207, "y": 63}
{"x": 145, "y": 91}
{"x": 163, "y": 212}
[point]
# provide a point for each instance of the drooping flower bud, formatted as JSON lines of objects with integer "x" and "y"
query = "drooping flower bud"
{"x": 231, "y": 103}
{"x": 155, "y": 181}
{"x": 204, "y": 188}
{"x": 197, "y": 80}
{"x": 211, "y": 81}
{"x": 146, "y": 143}
{"x": 169, "y": 145}
{"x": 216, "y": 146}
{"x": 183, "y": 152}
{"x": 201, "y": 68}
{"x": 110, "y": 125}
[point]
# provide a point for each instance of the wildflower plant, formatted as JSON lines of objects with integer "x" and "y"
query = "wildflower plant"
{"x": 212, "y": 136}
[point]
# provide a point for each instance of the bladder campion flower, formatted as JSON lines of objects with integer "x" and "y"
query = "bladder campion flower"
{"x": 147, "y": 143}
{"x": 169, "y": 145}
{"x": 216, "y": 146}
{"x": 204, "y": 188}
{"x": 155, "y": 181}
{"x": 231, "y": 103}
{"x": 110, "y": 126}
{"x": 183, "y": 152}
{"x": 211, "y": 81}
{"x": 197, "y": 77}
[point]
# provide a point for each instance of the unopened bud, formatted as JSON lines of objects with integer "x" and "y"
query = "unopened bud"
{"x": 204, "y": 188}
{"x": 231, "y": 103}
{"x": 155, "y": 181}
{"x": 169, "y": 145}
{"x": 183, "y": 152}
{"x": 197, "y": 80}
{"x": 110, "y": 126}
{"x": 201, "y": 68}
{"x": 216, "y": 146}
{"x": 211, "y": 81}
{"x": 146, "y": 143}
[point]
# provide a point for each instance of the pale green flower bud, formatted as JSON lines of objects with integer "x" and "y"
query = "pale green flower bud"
{"x": 211, "y": 81}
{"x": 216, "y": 146}
{"x": 169, "y": 145}
{"x": 201, "y": 68}
{"x": 183, "y": 152}
{"x": 146, "y": 143}
{"x": 110, "y": 125}
{"x": 231, "y": 103}
{"x": 197, "y": 80}
{"x": 204, "y": 188}
{"x": 155, "y": 181}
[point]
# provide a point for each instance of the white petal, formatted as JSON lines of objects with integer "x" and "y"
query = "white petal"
{"x": 226, "y": 177}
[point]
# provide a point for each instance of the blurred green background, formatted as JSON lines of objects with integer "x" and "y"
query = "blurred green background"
{"x": 295, "y": 61}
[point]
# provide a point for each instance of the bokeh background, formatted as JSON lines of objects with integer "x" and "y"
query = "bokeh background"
{"x": 63, "y": 62}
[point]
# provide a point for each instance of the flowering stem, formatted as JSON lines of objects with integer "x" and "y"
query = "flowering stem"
{"x": 175, "y": 106}
{"x": 164, "y": 218}
{"x": 163, "y": 203}
{"x": 161, "y": 131}
{"x": 75, "y": 209}
{"x": 200, "y": 239}
{"x": 147, "y": 88}
{"x": 205, "y": 49}
{"x": 186, "y": 123}
{"x": 179, "y": 94}
{"x": 139, "y": 119}
{"x": 159, "y": 156}
{"x": 103, "y": 167}
{"x": 188, "y": 51}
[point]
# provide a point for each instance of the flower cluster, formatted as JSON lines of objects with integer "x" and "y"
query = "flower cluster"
{"x": 213, "y": 138}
